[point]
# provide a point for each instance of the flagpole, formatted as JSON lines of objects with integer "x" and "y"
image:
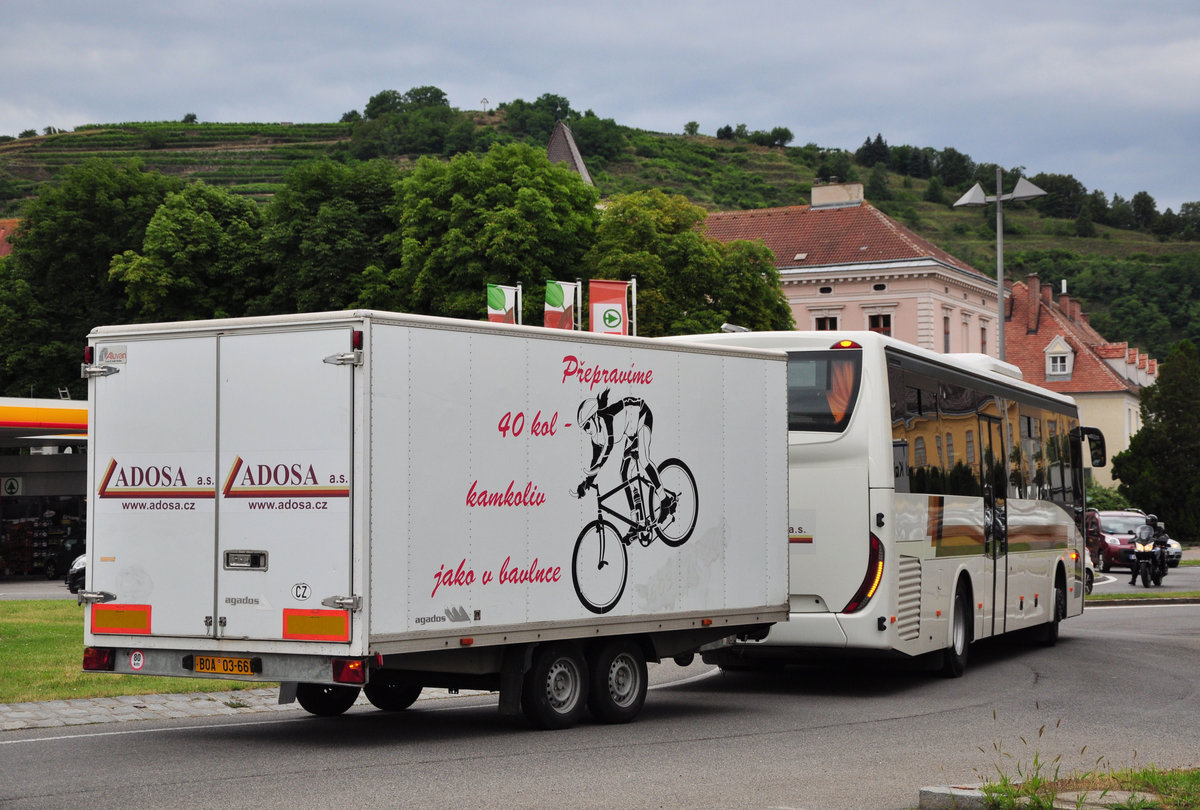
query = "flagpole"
{"x": 578, "y": 319}
{"x": 633, "y": 308}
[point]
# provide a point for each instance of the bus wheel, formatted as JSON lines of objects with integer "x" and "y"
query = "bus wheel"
{"x": 954, "y": 657}
{"x": 554, "y": 694}
{"x": 1047, "y": 634}
{"x": 325, "y": 700}
{"x": 618, "y": 675}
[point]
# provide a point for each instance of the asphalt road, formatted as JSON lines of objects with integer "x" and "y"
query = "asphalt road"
{"x": 1120, "y": 689}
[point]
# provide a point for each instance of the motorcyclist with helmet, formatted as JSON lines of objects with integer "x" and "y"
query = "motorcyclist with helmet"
{"x": 1160, "y": 547}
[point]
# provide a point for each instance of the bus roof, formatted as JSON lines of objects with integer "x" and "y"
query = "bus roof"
{"x": 979, "y": 365}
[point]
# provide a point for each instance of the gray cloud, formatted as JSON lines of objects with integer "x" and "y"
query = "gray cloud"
{"x": 1106, "y": 91}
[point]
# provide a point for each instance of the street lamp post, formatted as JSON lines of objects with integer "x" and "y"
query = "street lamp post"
{"x": 1024, "y": 191}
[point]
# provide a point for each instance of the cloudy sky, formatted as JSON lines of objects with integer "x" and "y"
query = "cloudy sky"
{"x": 1106, "y": 91}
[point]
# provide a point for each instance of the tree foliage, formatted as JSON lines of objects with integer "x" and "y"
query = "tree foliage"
{"x": 58, "y": 286}
{"x": 505, "y": 217}
{"x": 687, "y": 282}
{"x": 201, "y": 258}
{"x": 1160, "y": 472}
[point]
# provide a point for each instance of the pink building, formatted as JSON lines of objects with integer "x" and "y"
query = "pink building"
{"x": 844, "y": 264}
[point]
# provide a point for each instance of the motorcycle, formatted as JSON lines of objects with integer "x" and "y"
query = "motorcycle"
{"x": 1150, "y": 556}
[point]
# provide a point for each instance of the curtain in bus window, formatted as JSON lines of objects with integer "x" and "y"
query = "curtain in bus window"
{"x": 822, "y": 389}
{"x": 843, "y": 377}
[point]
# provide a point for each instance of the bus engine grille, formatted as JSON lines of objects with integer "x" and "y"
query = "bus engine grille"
{"x": 908, "y": 620}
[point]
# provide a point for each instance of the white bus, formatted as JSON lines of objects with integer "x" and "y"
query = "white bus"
{"x": 934, "y": 500}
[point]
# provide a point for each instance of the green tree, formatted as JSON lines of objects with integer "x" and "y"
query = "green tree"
{"x": 1145, "y": 210}
{"x": 324, "y": 229}
{"x": 190, "y": 118}
{"x": 58, "y": 284}
{"x": 877, "y": 183}
{"x": 505, "y": 217}
{"x": 1160, "y": 472}
{"x": 934, "y": 192}
{"x": 1064, "y": 195}
{"x": 201, "y": 258}
{"x": 955, "y": 168}
{"x": 691, "y": 128}
{"x": 687, "y": 282}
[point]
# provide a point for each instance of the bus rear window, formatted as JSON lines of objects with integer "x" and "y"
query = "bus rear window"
{"x": 822, "y": 389}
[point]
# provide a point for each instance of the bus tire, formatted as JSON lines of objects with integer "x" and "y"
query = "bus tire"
{"x": 555, "y": 692}
{"x": 326, "y": 700}
{"x": 954, "y": 657}
{"x": 1047, "y": 634}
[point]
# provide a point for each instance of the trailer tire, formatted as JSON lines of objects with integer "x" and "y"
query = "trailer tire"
{"x": 326, "y": 700}
{"x": 555, "y": 689}
{"x": 618, "y": 676}
{"x": 392, "y": 691}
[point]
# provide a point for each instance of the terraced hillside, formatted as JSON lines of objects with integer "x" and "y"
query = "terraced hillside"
{"x": 248, "y": 159}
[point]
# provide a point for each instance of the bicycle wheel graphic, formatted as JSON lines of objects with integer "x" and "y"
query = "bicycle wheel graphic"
{"x": 599, "y": 566}
{"x": 680, "y": 521}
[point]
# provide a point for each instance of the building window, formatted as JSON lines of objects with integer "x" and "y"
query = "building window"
{"x": 880, "y": 323}
{"x": 970, "y": 447}
{"x": 983, "y": 340}
{"x": 949, "y": 450}
{"x": 946, "y": 334}
{"x": 919, "y": 451}
{"x": 826, "y": 324}
{"x": 1058, "y": 364}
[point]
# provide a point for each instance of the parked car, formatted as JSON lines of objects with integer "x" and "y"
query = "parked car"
{"x": 1110, "y": 537}
{"x": 1089, "y": 573}
{"x": 60, "y": 559}
{"x": 77, "y": 574}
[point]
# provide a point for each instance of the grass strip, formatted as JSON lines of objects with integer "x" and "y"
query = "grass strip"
{"x": 41, "y": 650}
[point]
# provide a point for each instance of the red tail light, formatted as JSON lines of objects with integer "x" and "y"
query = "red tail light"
{"x": 99, "y": 659}
{"x": 89, "y": 352}
{"x": 871, "y": 578}
{"x": 845, "y": 344}
{"x": 349, "y": 670}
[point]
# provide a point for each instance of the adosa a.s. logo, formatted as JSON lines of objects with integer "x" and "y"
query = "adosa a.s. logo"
{"x": 282, "y": 480}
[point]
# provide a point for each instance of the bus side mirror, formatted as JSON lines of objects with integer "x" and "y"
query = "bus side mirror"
{"x": 1095, "y": 440}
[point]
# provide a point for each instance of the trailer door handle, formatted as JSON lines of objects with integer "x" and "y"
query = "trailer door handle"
{"x": 344, "y": 602}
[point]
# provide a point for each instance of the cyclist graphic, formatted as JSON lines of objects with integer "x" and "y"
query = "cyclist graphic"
{"x": 628, "y": 419}
{"x": 662, "y": 499}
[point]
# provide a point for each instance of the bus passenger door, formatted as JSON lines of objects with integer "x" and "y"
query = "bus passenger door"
{"x": 995, "y": 526}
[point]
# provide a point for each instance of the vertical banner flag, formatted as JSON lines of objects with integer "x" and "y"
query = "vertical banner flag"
{"x": 501, "y": 303}
{"x": 610, "y": 314}
{"x": 560, "y": 304}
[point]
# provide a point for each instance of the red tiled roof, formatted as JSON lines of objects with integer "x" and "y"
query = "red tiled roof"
{"x": 802, "y": 236}
{"x": 7, "y": 226}
{"x": 1026, "y": 349}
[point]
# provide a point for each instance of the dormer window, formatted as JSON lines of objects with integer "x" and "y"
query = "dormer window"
{"x": 1060, "y": 359}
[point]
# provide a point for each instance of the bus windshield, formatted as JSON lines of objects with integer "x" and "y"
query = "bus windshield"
{"x": 822, "y": 389}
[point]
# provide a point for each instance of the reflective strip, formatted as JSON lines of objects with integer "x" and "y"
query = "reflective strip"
{"x": 316, "y": 625}
{"x": 127, "y": 619}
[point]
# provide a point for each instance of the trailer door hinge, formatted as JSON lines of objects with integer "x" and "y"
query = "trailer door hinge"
{"x": 344, "y": 602}
{"x": 91, "y": 597}
{"x": 354, "y": 358}
{"x": 86, "y": 371}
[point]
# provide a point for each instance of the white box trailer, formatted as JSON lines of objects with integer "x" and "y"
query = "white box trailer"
{"x": 368, "y": 500}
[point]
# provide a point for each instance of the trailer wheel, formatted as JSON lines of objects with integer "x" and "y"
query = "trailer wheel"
{"x": 325, "y": 700}
{"x": 554, "y": 694}
{"x": 392, "y": 691}
{"x": 618, "y": 675}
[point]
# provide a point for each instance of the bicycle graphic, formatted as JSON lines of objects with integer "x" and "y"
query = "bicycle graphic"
{"x": 600, "y": 563}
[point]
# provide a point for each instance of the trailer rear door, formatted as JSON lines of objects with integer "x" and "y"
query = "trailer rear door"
{"x": 152, "y": 521}
{"x": 285, "y": 451}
